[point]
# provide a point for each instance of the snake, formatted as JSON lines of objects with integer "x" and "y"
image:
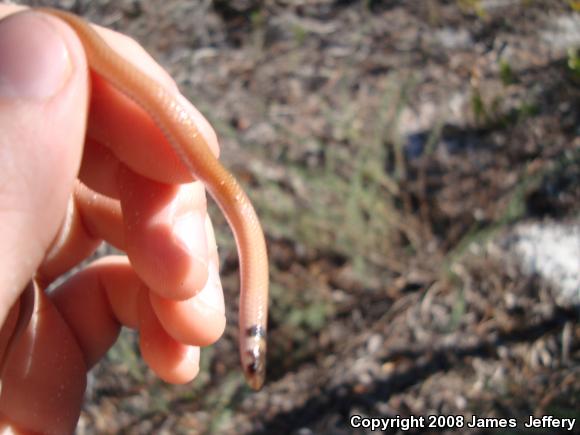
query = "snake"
{"x": 180, "y": 130}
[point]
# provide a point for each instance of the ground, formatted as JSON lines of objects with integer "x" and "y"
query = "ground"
{"x": 393, "y": 149}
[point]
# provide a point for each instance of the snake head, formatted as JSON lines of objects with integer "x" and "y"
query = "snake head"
{"x": 255, "y": 357}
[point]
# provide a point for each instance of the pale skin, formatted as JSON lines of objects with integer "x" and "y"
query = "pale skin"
{"x": 123, "y": 184}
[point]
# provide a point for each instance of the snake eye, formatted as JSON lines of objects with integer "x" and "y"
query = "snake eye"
{"x": 256, "y": 370}
{"x": 253, "y": 367}
{"x": 256, "y": 364}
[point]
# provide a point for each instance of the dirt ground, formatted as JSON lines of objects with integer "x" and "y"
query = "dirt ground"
{"x": 390, "y": 148}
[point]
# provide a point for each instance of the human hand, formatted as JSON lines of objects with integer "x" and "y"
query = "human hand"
{"x": 68, "y": 181}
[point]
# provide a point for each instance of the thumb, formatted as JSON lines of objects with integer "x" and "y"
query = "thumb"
{"x": 43, "y": 105}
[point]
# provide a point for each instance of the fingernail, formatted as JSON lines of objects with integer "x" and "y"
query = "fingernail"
{"x": 34, "y": 60}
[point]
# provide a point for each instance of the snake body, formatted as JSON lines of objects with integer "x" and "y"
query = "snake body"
{"x": 181, "y": 132}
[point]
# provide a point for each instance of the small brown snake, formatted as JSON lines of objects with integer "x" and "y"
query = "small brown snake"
{"x": 183, "y": 135}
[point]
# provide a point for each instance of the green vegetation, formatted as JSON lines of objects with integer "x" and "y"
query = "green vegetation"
{"x": 347, "y": 205}
{"x": 473, "y": 6}
{"x": 490, "y": 111}
{"x": 575, "y": 5}
{"x": 125, "y": 355}
{"x": 506, "y": 74}
{"x": 574, "y": 62}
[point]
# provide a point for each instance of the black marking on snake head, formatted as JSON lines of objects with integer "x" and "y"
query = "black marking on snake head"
{"x": 256, "y": 331}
